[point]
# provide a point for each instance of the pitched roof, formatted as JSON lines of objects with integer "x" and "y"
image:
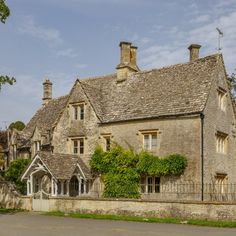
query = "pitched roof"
{"x": 176, "y": 90}
{"x": 61, "y": 166}
{"x": 45, "y": 118}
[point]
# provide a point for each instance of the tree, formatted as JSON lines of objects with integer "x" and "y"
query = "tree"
{"x": 14, "y": 172}
{"x": 19, "y": 125}
{"x": 4, "y": 13}
{"x": 232, "y": 84}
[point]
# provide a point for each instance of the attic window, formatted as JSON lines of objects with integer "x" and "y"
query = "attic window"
{"x": 78, "y": 111}
{"x": 78, "y": 146}
{"x": 222, "y": 98}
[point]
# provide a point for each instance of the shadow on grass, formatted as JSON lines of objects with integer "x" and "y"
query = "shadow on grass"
{"x": 4, "y": 211}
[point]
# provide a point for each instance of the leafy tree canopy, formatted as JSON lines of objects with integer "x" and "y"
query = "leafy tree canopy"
{"x": 4, "y": 11}
{"x": 14, "y": 172}
{"x": 19, "y": 125}
{"x": 232, "y": 84}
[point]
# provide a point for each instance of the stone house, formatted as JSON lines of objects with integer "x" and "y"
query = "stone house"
{"x": 184, "y": 108}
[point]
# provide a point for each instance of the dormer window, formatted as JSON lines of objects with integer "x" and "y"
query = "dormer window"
{"x": 222, "y": 99}
{"x": 78, "y": 111}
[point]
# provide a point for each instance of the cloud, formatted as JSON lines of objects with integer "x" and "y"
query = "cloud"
{"x": 81, "y": 66}
{"x": 49, "y": 35}
{"x": 201, "y": 19}
{"x": 68, "y": 52}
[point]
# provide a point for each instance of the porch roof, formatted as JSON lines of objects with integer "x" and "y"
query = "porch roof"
{"x": 61, "y": 166}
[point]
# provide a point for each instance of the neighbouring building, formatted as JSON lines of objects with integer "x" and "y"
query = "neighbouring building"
{"x": 184, "y": 108}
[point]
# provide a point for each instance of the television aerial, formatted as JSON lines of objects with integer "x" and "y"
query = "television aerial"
{"x": 220, "y": 35}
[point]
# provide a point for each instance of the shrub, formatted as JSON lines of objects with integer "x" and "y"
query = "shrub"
{"x": 14, "y": 172}
{"x": 121, "y": 169}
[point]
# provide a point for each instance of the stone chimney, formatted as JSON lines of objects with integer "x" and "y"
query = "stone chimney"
{"x": 194, "y": 51}
{"x": 47, "y": 91}
{"x": 127, "y": 64}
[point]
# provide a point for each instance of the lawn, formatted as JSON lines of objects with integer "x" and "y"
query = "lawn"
{"x": 225, "y": 224}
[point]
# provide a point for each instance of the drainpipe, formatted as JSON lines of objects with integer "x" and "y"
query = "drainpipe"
{"x": 202, "y": 156}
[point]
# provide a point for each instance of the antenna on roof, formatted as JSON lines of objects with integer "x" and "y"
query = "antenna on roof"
{"x": 220, "y": 35}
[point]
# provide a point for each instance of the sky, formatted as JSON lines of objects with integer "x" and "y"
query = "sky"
{"x": 63, "y": 40}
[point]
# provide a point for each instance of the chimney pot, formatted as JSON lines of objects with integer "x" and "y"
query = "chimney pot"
{"x": 47, "y": 91}
{"x": 194, "y": 51}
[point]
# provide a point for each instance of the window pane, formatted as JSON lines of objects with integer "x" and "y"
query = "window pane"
{"x": 75, "y": 112}
{"x": 150, "y": 185}
{"x": 75, "y": 146}
{"x": 108, "y": 143}
{"x": 157, "y": 184}
{"x": 81, "y": 148}
{"x": 154, "y": 142}
{"x": 146, "y": 142}
{"x": 81, "y": 112}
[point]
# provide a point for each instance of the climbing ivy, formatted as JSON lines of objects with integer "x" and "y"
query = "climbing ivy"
{"x": 121, "y": 169}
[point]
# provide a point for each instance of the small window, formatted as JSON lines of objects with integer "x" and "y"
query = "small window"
{"x": 222, "y": 99}
{"x": 78, "y": 146}
{"x": 108, "y": 143}
{"x": 221, "y": 182}
{"x": 150, "y": 142}
{"x": 150, "y": 184}
{"x": 221, "y": 142}
{"x": 78, "y": 112}
{"x": 81, "y": 111}
{"x": 37, "y": 146}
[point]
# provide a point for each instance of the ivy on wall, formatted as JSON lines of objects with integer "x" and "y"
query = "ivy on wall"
{"x": 121, "y": 169}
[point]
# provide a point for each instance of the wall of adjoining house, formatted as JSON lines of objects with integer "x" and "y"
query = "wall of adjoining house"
{"x": 179, "y": 135}
{"x": 218, "y": 120}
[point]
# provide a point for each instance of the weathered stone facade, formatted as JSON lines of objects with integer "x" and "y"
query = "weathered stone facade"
{"x": 187, "y": 107}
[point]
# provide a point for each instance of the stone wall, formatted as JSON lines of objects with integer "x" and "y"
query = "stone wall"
{"x": 194, "y": 210}
{"x": 221, "y": 121}
{"x": 10, "y": 198}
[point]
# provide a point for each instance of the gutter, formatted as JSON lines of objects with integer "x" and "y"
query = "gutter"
{"x": 202, "y": 156}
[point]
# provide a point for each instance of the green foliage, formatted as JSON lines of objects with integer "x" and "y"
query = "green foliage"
{"x": 4, "y": 11}
{"x": 14, "y": 172}
{"x": 19, "y": 125}
{"x": 232, "y": 84}
{"x": 6, "y": 80}
{"x": 121, "y": 169}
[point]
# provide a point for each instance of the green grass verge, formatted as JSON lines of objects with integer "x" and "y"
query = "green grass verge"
{"x": 226, "y": 224}
{"x": 4, "y": 210}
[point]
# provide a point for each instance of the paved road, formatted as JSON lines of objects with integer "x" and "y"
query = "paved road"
{"x": 33, "y": 224}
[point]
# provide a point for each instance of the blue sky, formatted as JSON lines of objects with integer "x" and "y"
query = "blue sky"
{"x": 66, "y": 39}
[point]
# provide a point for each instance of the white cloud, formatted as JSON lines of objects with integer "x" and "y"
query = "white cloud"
{"x": 49, "y": 35}
{"x": 68, "y": 52}
{"x": 81, "y": 66}
{"x": 201, "y": 19}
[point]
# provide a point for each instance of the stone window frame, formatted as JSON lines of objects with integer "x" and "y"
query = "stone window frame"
{"x": 222, "y": 98}
{"x": 221, "y": 142}
{"x": 154, "y": 149}
{"x": 107, "y": 139}
{"x": 221, "y": 183}
{"x": 80, "y": 148}
{"x": 150, "y": 184}
{"x": 78, "y": 111}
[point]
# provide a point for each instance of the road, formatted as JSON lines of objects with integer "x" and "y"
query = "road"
{"x": 28, "y": 224}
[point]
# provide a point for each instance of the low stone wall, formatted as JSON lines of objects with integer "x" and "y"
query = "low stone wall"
{"x": 193, "y": 210}
{"x": 10, "y": 198}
